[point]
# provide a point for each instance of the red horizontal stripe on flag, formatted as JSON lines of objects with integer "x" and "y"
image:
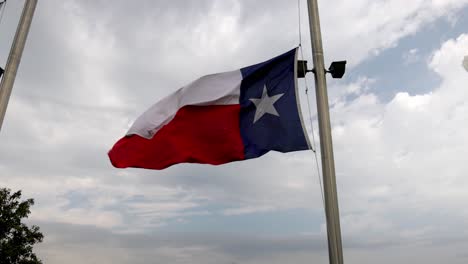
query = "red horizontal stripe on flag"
{"x": 197, "y": 134}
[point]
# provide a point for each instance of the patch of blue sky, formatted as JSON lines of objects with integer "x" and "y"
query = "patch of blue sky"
{"x": 76, "y": 199}
{"x": 284, "y": 222}
{"x": 404, "y": 68}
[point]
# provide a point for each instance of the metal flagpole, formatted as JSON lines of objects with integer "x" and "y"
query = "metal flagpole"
{"x": 14, "y": 58}
{"x": 335, "y": 251}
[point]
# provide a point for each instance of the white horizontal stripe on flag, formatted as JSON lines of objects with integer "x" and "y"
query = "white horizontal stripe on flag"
{"x": 215, "y": 89}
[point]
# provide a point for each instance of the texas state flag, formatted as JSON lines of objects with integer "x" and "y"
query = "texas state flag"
{"x": 220, "y": 118}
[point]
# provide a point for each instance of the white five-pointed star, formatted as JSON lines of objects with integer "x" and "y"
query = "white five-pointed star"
{"x": 265, "y": 104}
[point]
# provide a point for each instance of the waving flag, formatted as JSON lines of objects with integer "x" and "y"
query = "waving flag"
{"x": 219, "y": 118}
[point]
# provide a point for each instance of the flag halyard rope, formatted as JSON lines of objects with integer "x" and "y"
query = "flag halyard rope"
{"x": 314, "y": 145}
{"x": 2, "y": 10}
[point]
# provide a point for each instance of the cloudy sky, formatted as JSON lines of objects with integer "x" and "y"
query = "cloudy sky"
{"x": 399, "y": 119}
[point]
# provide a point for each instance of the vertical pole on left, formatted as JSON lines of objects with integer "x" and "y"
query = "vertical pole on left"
{"x": 14, "y": 58}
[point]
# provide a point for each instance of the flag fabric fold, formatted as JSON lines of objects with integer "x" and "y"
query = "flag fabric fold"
{"x": 219, "y": 118}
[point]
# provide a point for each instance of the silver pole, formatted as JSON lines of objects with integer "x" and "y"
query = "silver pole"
{"x": 332, "y": 213}
{"x": 14, "y": 58}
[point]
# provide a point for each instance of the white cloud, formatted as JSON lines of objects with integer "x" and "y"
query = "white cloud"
{"x": 247, "y": 210}
{"x": 90, "y": 68}
{"x": 409, "y": 152}
{"x": 369, "y": 26}
{"x": 412, "y": 56}
{"x": 87, "y": 128}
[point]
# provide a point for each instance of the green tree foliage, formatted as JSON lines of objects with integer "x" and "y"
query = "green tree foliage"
{"x": 16, "y": 238}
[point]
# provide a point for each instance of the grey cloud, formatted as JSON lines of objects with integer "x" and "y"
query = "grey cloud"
{"x": 90, "y": 67}
{"x": 242, "y": 248}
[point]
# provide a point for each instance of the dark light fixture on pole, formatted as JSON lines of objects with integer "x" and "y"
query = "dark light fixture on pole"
{"x": 337, "y": 69}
